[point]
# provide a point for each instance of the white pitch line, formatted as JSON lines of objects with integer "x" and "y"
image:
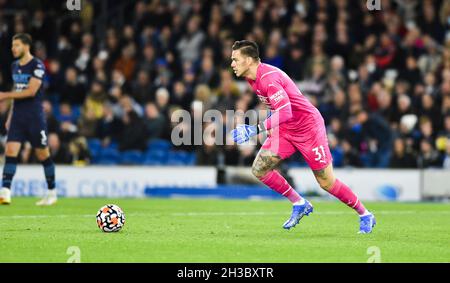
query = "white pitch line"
{"x": 256, "y": 213}
{"x": 236, "y": 213}
{"x": 44, "y": 216}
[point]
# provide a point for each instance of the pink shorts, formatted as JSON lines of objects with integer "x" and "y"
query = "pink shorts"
{"x": 314, "y": 148}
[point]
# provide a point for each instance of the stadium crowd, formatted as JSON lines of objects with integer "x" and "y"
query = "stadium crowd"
{"x": 381, "y": 79}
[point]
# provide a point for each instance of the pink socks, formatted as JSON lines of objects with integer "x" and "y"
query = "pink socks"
{"x": 278, "y": 183}
{"x": 344, "y": 194}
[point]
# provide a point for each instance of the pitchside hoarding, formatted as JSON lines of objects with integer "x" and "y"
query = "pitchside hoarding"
{"x": 368, "y": 184}
{"x": 113, "y": 182}
{"x": 128, "y": 181}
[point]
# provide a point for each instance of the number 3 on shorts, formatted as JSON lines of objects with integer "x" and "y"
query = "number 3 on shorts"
{"x": 320, "y": 155}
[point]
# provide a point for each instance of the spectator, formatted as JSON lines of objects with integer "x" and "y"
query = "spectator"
{"x": 154, "y": 122}
{"x": 58, "y": 152}
{"x": 378, "y": 136}
{"x": 351, "y": 157}
{"x": 181, "y": 96}
{"x": 79, "y": 151}
{"x": 87, "y": 123}
{"x": 400, "y": 157}
{"x": 203, "y": 93}
{"x": 208, "y": 74}
{"x": 4, "y": 113}
{"x": 162, "y": 101}
{"x": 227, "y": 93}
{"x": 126, "y": 64}
{"x": 430, "y": 110}
{"x": 133, "y": 135}
{"x": 109, "y": 126}
{"x": 411, "y": 73}
{"x": 143, "y": 89}
{"x": 72, "y": 91}
{"x": 189, "y": 45}
{"x": 428, "y": 156}
{"x": 446, "y": 162}
{"x": 52, "y": 123}
{"x": 295, "y": 59}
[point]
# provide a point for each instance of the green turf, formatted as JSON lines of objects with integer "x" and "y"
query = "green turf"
{"x": 168, "y": 230}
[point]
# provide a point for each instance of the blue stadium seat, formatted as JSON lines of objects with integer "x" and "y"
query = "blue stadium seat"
{"x": 114, "y": 145}
{"x": 94, "y": 145}
{"x": 177, "y": 158}
{"x": 192, "y": 159}
{"x": 181, "y": 158}
{"x": 109, "y": 156}
{"x": 132, "y": 157}
{"x": 159, "y": 144}
{"x": 106, "y": 161}
{"x": 76, "y": 112}
{"x": 152, "y": 162}
{"x": 158, "y": 157}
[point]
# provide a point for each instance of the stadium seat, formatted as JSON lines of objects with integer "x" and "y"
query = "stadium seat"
{"x": 159, "y": 157}
{"x": 152, "y": 162}
{"x": 133, "y": 157}
{"x": 106, "y": 161}
{"x": 109, "y": 156}
{"x": 159, "y": 144}
{"x": 113, "y": 145}
{"x": 94, "y": 145}
{"x": 76, "y": 112}
{"x": 177, "y": 158}
{"x": 192, "y": 159}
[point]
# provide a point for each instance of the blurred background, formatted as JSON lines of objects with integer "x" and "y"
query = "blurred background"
{"x": 117, "y": 70}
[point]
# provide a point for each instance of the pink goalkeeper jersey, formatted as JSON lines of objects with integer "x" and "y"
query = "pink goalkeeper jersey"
{"x": 290, "y": 109}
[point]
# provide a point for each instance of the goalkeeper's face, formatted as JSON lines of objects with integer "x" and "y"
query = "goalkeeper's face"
{"x": 240, "y": 63}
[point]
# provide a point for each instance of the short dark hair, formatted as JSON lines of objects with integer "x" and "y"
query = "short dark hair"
{"x": 24, "y": 37}
{"x": 247, "y": 48}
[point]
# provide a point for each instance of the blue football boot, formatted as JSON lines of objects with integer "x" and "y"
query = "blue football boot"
{"x": 366, "y": 223}
{"x": 298, "y": 211}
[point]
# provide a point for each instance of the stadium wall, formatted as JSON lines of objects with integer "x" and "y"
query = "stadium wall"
{"x": 436, "y": 184}
{"x": 139, "y": 182}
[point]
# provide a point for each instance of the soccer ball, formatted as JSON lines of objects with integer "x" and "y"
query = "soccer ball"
{"x": 110, "y": 218}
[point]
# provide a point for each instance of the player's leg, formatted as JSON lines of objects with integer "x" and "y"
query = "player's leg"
{"x": 269, "y": 157}
{"x": 318, "y": 156}
{"x": 9, "y": 170}
{"x": 38, "y": 139}
{"x": 43, "y": 155}
{"x": 263, "y": 168}
{"x": 327, "y": 181}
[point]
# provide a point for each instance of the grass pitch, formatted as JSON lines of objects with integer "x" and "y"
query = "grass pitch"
{"x": 181, "y": 230}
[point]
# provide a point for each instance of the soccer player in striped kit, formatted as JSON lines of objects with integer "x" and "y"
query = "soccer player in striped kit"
{"x": 296, "y": 126}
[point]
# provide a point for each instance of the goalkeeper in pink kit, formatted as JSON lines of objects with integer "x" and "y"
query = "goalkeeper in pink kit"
{"x": 296, "y": 125}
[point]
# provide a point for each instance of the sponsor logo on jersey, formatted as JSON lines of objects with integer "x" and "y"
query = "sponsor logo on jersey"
{"x": 277, "y": 96}
{"x": 39, "y": 73}
{"x": 21, "y": 86}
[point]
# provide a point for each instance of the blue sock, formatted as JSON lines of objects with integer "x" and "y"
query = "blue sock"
{"x": 49, "y": 171}
{"x": 9, "y": 170}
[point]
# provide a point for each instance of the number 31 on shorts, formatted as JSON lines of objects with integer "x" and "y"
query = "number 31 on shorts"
{"x": 320, "y": 154}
